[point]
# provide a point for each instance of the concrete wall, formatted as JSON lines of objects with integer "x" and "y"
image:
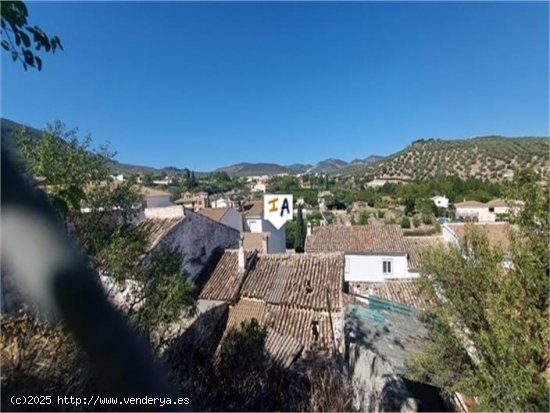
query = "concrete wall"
{"x": 196, "y": 237}
{"x": 441, "y": 202}
{"x": 173, "y": 211}
{"x": 369, "y": 268}
{"x": 277, "y": 238}
{"x": 449, "y": 235}
{"x": 233, "y": 219}
{"x": 254, "y": 224}
{"x": 157, "y": 201}
{"x": 481, "y": 213}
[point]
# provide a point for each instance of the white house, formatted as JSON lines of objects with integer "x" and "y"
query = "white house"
{"x": 474, "y": 210}
{"x": 154, "y": 198}
{"x": 486, "y": 212}
{"x": 441, "y": 201}
{"x": 222, "y": 203}
{"x": 194, "y": 202}
{"x": 195, "y": 236}
{"x": 254, "y": 222}
{"x": 373, "y": 253}
{"x": 228, "y": 216}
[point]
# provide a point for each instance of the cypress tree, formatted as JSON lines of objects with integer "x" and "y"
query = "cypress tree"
{"x": 300, "y": 237}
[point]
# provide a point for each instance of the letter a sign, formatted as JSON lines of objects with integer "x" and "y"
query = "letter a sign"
{"x": 277, "y": 209}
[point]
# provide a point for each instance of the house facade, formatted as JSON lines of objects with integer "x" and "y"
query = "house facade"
{"x": 155, "y": 198}
{"x": 298, "y": 297}
{"x": 486, "y": 212}
{"x": 194, "y": 202}
{"x": 254, "y": 221}
{"x": 194, "y": 235}
{"x": 474, "y": 210}
{"x": 227, "y": 216}
{"x": 373, "y": 253}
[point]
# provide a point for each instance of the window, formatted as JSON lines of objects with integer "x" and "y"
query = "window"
{"x": 386, "y": 267}
{"x": 491, "y": 209}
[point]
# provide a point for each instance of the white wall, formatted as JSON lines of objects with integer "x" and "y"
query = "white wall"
{"x": 369, "y": 268}
{"x": 172, "y": 211}
{"x": 254, "y": 224}
{"x": 221, "y": 203}
{"x": 441, "y": 202}
{"x": 157, "y": 201}
{"x": 233, "y": 219}
{"x": 502, "y": 210}
{"x": 277, "y": 237}
{"x": 482, "y": 213}
{"x": 196, "y": 232}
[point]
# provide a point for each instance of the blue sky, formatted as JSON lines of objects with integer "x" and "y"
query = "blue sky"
{"x": 202, "y": 85}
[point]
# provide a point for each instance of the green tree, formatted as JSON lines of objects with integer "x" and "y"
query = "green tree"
{"x": 19, "y": 37}
{"x": 68, "y": 165}
{"x": 405, "y": 222}
{"x": 166, "y": 295}
{"x": 290, "y": 233}
{"x": 300, "y": 237}
{"x": 409, "y": 206}
{"x": 490, "y": 333}
{"x": 100, "y": 213}
{"x": 192, "y": 182}
{"x": 363, "y": 217}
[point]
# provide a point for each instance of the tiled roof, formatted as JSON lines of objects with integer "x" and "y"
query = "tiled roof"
{"x": 400, "y": 291}
{"x": 254, "y": 241}
{"x": 358, "y": 239}
{"x": 470, "y": 204}
{"x": 417, "y": 245}
{"x": 300, "y": 324}
{"x": 296, "y": 279}
{"x": 223, "y": 284}
{"x": 215, "y": 214}
{"x": 253, "y": 209}
{"x": 157, "y": 229}
{"x": 295, "y": 323}
{"x": 497, "y": 233}
{"x": 283, "y": 349}
{"x": 497, "y": 203}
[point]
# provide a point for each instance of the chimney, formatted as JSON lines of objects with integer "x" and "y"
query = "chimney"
{"x": 308, "y": 229}
{"x": 240, "y": 254}
{"x": 265, "y": 238}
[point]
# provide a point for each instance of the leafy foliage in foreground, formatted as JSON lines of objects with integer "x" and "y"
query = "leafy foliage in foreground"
{"x": 490, "y": 332}
{"x": 17, "y": 35}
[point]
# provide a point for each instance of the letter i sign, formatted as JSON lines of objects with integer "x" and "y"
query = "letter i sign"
{"x": 278, "y": 209}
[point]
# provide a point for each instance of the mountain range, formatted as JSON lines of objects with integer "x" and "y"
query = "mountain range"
{"x": 482, "y": 157}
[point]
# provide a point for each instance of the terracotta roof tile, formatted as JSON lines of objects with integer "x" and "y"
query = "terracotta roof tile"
{"x": 400, "y": 291}
{"x": 223, "y": 283}
{"x": 416, "y": 247}
{"x": 358, "y": 239}
{"x": 470, "y": 204}
{"x": 254, "y": 241}
{"x": 253, "y": 209}
{"x": 157, "y": 229}
{"x": 215, "y": 214}
{"x": 300, "y": 324}
{"x": 287, "y": 322}
{"x": 296, "y": 279}
{"x": 497, "y": 233}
